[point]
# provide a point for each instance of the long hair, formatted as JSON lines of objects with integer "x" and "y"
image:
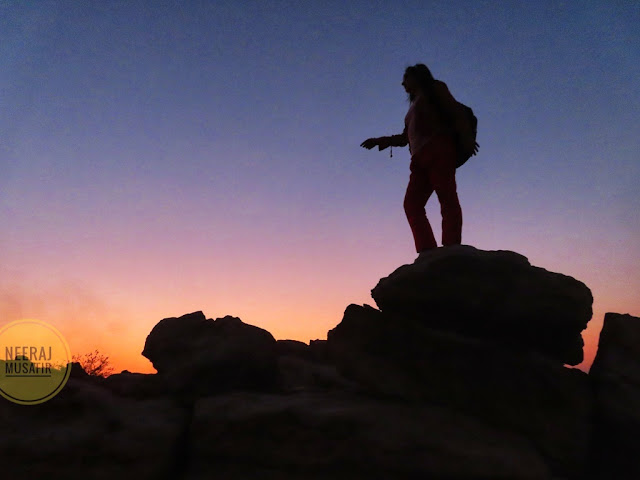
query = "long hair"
{"x": 423, "y": 75}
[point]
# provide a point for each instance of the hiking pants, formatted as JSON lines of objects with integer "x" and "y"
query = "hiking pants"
{"x": 433, "y": 169}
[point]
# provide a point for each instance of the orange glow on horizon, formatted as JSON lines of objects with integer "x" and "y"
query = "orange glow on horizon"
{"x": 114, "y": 310}
{"x": 123, "y": 342}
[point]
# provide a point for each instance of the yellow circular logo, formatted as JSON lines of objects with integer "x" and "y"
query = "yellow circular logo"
{"x": 35, "y": 362}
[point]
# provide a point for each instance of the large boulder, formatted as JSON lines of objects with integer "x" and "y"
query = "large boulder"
{"x": 615, "y": 374}
{"x": 320, "y": 435}
{"x": 202, "y": 355}
{"x": 518, "y": 390}
{"x": 491, "y": 294}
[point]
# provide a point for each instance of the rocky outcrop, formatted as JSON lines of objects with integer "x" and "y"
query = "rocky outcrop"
{"x": 88, "y": 432}
{"x": 449, "y": 378}
{"x": 340, "y": 436}
{"x": 194, "y": 353}
{"x": 495, "y": 295}
{"x": 518, "y": 391}
{"x": 616, "y": 381}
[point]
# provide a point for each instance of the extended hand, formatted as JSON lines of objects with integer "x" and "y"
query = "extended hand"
{"x": 381, "y": 142}
{"x": 369, "y": 143}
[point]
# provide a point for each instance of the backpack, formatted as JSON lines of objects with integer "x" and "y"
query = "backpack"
{"x": 463, "y": 155}
{"x": 472, "y": 120}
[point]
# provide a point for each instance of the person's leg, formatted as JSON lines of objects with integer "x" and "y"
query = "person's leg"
{"x": 418, "y": 192}
{"x": 442, "y": 176}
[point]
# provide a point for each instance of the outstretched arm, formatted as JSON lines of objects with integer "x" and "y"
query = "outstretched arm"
{"x": 399, "y": 140}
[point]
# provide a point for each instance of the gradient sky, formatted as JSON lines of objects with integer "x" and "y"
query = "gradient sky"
{"x": 158, "y": 158}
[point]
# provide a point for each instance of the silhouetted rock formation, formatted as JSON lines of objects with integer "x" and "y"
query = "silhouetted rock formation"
{"x": 192, "y": 352}
{"x": 339, "y": 436}
{"x": 449, "y": 379}
{"x": 491, "y": 294}
{"x": 87, "y": 432}
{"x": 519, "y": 391}
{"x": 616, "y": 379}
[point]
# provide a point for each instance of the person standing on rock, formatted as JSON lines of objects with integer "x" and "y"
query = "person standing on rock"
{"x": 433, "y": 156}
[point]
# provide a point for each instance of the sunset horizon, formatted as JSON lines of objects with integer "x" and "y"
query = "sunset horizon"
{"x": 126, "y": 353}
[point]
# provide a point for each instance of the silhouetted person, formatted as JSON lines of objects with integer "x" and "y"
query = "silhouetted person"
{"x": 429, "y": 132}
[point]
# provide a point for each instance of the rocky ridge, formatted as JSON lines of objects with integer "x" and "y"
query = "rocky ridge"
{"x": 460, "y": 373}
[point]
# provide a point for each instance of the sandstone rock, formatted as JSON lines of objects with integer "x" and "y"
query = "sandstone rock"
{"x": 322, "y": 435}
{"x": 517, "y": 390}
{"x": 204, "y": 355}
{"x": 491, "y": 294}
{"x": 616, "y": 380}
